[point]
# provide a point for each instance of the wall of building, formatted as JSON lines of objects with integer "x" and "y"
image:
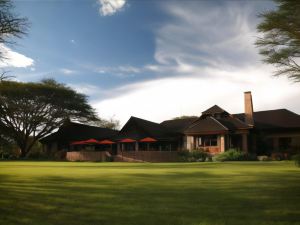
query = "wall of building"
{"x": 151, "y": 156}
{"x": 266, "y": 142}
{"x": 87, "y": 156}
{"x": 293, "y": 136}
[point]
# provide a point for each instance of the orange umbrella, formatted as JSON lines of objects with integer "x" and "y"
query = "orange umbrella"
{"x": 106, "y": 142}
{"x": 148, "y": 139}
{"x": 127, "y": 140}
{"x": 89, "y": 141}
{"x": 77, "y": 143}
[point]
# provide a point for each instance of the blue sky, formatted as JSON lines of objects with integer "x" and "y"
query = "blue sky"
{"x": 151, "y": 59}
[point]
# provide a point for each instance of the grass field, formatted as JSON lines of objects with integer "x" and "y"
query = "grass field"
{"x": 54, "y": 193}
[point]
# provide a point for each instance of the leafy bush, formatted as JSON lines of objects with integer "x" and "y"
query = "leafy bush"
{"x": 37, "y": 152}
{"x": 8, "y": 149}
{"x": 194, "y": 156}
{"x": 235, "y": 155}
{"x": 263, "y": 158}
{"x": 296, "y": 158}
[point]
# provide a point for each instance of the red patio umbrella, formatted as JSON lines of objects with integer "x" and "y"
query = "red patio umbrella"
{"x": 77, "y": 143}
{"x": 106, "y": 142}
{"x": 89, "y": 141}
{"x": 127, "y": 140}
{"x": 148, "y": 139}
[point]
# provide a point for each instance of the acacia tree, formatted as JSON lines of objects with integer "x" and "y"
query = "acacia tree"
{"x": 280, "y": 43}
{"x": 30, "y": 111}
{"x": 111, "y": 123}
{"x": 11, "y": 25}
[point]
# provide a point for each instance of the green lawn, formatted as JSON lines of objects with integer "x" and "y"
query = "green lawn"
{"x": 53, "y": 193}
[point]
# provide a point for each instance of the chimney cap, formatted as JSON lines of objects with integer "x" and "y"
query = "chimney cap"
{"x": 246, "y": 92}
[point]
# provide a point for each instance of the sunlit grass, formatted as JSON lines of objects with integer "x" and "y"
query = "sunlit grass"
{"x": 42, "y": 193}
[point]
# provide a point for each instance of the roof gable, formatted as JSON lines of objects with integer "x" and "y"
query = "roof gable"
{"x": 179, "y": 125}
{"x": 72, "y": 131}
{"x": 206, "y": 125}
{"x": 232, "y": 123}
{"x": 214, "y": 110}
{"x": 137, "y": 129}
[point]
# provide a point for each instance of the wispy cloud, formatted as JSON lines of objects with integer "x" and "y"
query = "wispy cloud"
{"x": 206, "y": 54}
{"x": 11, "y": 58}
{"x": 87, "y": 89}
{"x": 198, "y": 38}
{"x": 67, "y": 71}
{"x": 119, "y": 71}
{"x": 72, "y": 41}
{"x": 110, "y": 7}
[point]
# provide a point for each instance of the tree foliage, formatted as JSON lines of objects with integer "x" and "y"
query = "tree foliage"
{"x": 184, "y": 117}
{"x": 11, "y": 25}
{"x": 280, "y": 43}
{"x": 110, "y": 123}
{"x": 30, "y": 111}
{"x": 6, "y": 145}
{"x": 4, "y": 76}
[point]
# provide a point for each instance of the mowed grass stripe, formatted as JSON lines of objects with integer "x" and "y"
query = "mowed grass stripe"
{"x": 148, "y": 193}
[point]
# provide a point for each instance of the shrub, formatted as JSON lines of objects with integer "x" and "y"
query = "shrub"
{"x": 60, "y": 155}
{"x": 277, "y": 156}
{"x": 235, "y": 155}
{"x": 263, "y": 158}
{"x": 194, "y": 156}
{"x": 296, "y": 158}
{"x": 109, "y": 158}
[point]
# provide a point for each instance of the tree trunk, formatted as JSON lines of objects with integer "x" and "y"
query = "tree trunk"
{"x": 26, "y": 147}
{"x": 23, "y": 152}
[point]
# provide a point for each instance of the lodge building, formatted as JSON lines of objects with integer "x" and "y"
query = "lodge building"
{"x": 215, "y": 131}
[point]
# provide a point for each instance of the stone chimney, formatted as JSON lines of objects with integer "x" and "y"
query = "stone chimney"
{"x": 248, "y": 108}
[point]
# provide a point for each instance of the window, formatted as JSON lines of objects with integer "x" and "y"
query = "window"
{"x": 209, "y": 140}
{"x": 199, "y": 141}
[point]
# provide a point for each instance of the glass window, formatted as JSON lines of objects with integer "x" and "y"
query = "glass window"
{"x": 209, "y": 140}
{"x": 213, "y": 141}
{"x": 199, "y": 141}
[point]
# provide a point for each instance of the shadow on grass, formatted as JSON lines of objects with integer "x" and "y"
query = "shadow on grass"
{"x": 141, "y": 196}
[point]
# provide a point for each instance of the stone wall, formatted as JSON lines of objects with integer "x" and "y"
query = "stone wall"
{"x": 87, "y": 156}
{"x": 151, "y": 156}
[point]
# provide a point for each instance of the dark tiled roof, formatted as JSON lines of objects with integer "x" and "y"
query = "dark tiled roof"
{"x": 232, "y": 123}
{"x": 137, "y": 128}
{"x": 274, "y": 119}
{"x": 214, "y": 110}
{"x": 71, "y": 131}
{"x": 215, "y": 120}
{"x": 178, "y": 125}
{"x": 206, "y": 125}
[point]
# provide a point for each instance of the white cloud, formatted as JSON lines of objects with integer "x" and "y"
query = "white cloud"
{"x": 129, "y": 69}
{"x": 72, "y": 41}
{"x": 205, "y": 34}
{"x": 166, "y": 98}
{"x": 119, "y": 71}
{"x": 87, "y": 89}
{"x": 14, "y": 59}
{"x": 207, "y": 54}
{"x": 67, "y": 71}
{"x": 110, "y": 7}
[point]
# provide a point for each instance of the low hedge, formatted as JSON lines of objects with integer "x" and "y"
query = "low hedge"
{"x": 296, "y": 158}
{"x": 194, "y": 156}
{"x": 235, "y": 155}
